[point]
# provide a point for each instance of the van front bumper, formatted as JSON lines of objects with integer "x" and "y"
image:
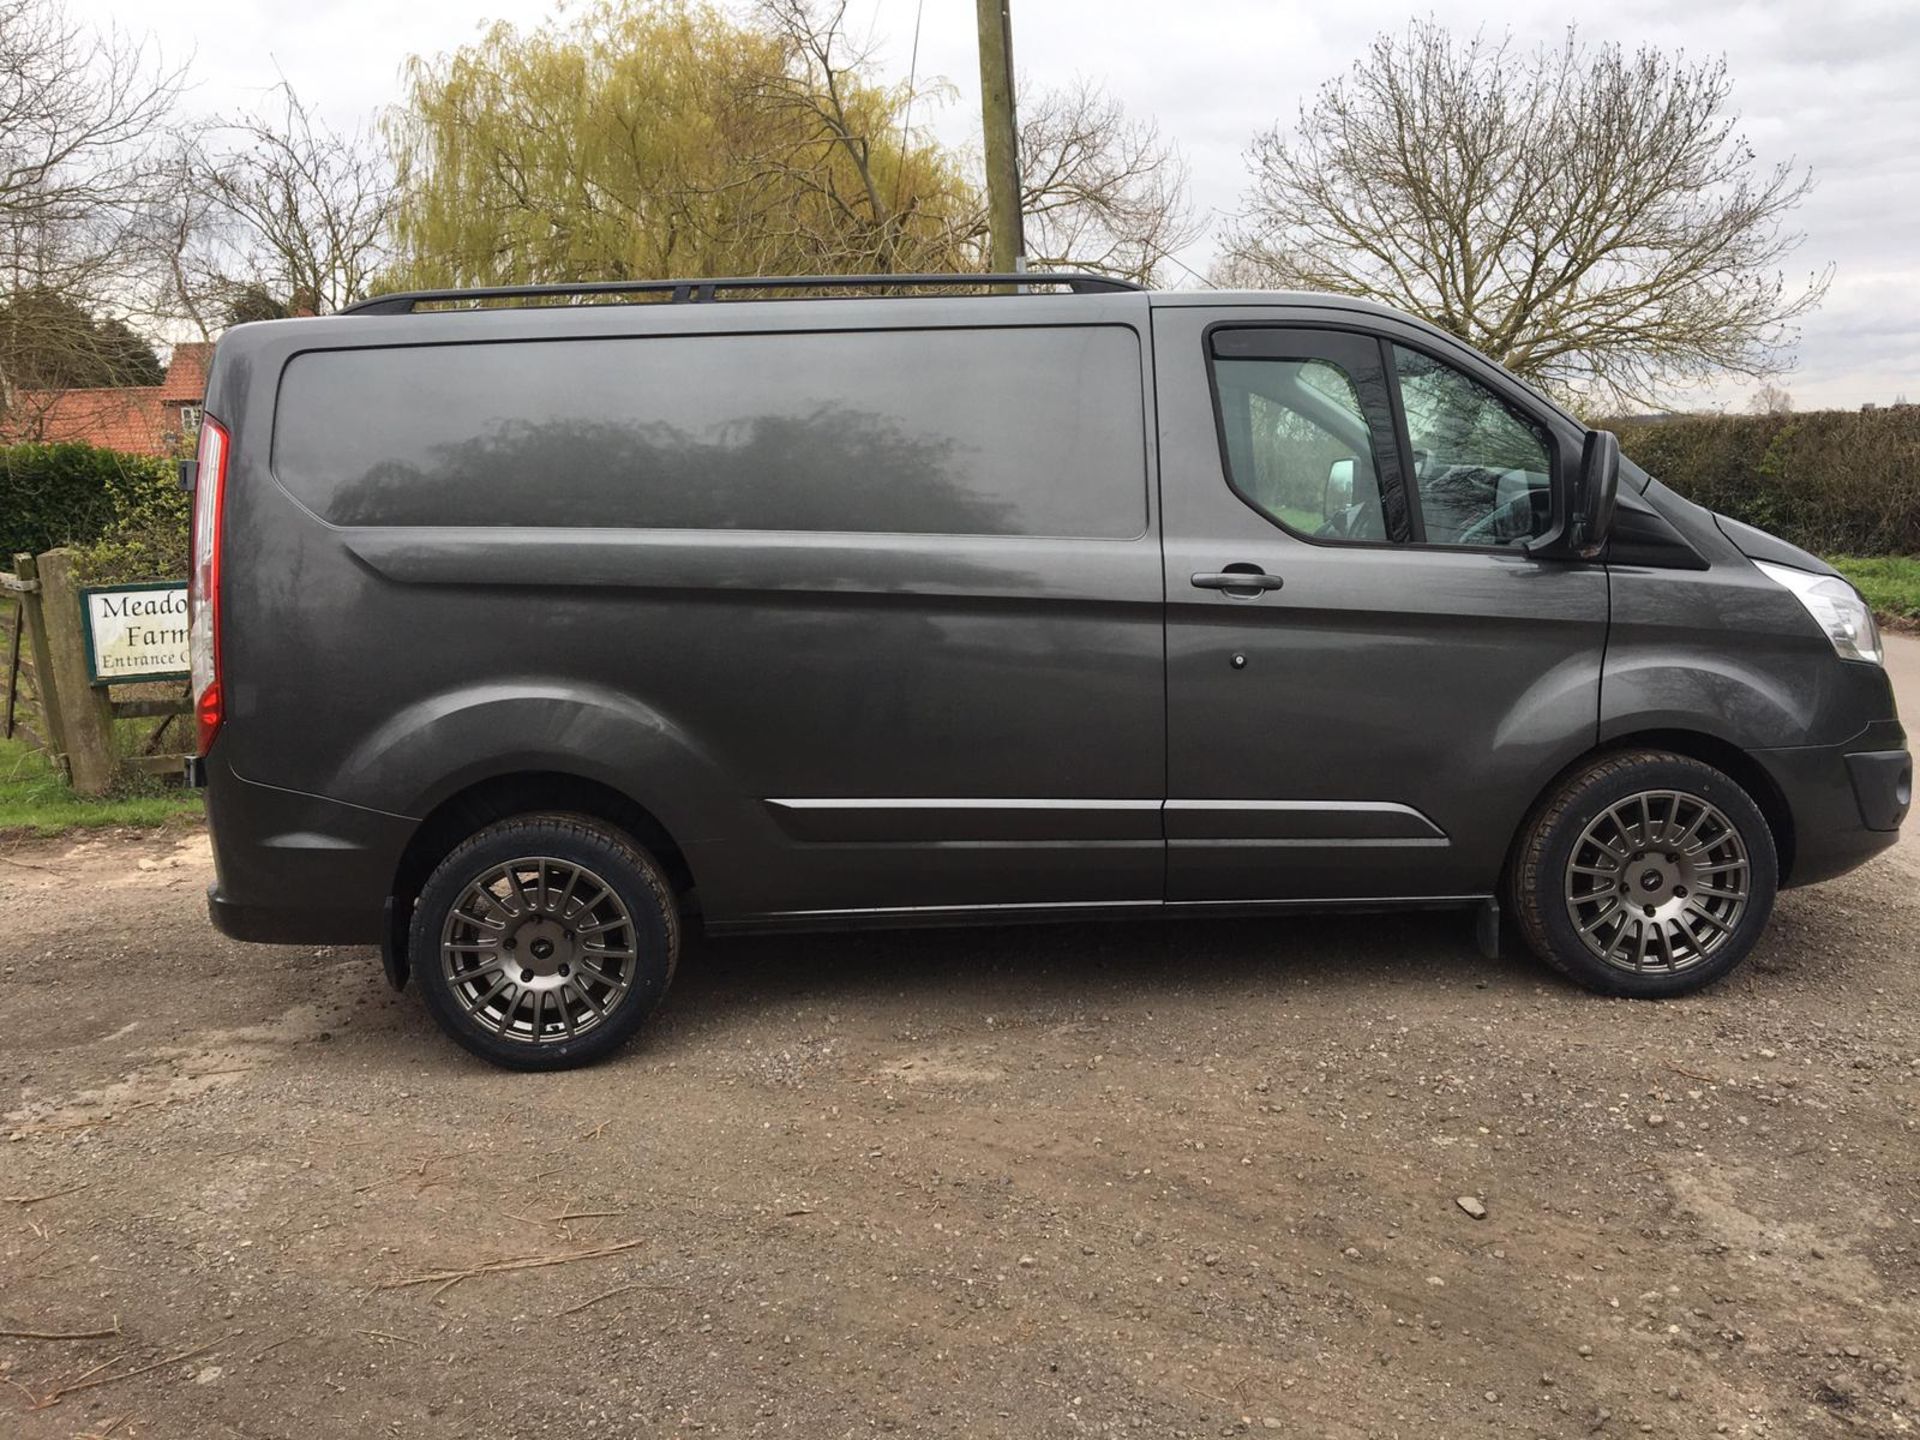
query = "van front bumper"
{"x": 1847, "y": 801}
{"x": 298, "y": 869}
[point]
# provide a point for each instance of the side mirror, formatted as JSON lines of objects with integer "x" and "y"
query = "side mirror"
{"x": 1597, "y": 491}
{"x": 1338, "y": 494}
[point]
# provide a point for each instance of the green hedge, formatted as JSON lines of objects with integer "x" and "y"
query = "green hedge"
{"x": 1833, "y": 481}
{"x": 148, "y": 538}
{"x": 125, "y": 514}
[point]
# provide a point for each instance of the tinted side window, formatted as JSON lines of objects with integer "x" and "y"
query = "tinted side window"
{"x": 1299, "y": 445}
{"x": 1483, "y": 470}
{"x": 1015, "y": 431}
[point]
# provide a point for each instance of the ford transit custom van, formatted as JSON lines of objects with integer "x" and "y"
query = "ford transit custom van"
{"x": 533, "y": 626}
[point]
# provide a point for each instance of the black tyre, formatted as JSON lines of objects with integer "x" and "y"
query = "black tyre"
{"x": 1646, "y": 874}
{"x": 544, "y": 941}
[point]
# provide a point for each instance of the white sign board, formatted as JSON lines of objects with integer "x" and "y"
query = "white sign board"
{"x": 136, "y": 632}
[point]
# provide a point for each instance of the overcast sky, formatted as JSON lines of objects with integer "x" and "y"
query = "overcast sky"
{"x": 1830, "y": 84}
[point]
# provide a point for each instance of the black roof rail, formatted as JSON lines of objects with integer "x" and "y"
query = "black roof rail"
{"x": 681, "y": 292}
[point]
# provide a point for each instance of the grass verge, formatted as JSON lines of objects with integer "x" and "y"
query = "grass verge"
{"x": 1891, "y": 584}
{"x": 35, "y": 799}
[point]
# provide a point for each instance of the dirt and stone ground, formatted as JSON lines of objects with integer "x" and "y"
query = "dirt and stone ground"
{"x": 1153, "y": 1179}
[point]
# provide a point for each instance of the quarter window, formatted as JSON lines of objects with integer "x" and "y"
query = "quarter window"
{"x": 1299, "y": 447}
{"x": 1482, "y": 470}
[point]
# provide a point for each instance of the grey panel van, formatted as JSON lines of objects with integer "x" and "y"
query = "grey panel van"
{"x": 529, "y": 631}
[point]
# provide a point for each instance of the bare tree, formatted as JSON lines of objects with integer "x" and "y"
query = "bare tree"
{"x": 82, "y": 132}
{"x": 1098, "y": 190}
{"x": 275, "y": 202}
{"x": 1771, "y": 399}
{"x": 1590, "y": 218}
{"x": 880, "y": 200}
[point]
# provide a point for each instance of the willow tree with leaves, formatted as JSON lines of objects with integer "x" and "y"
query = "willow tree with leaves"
{"x": 661, "y": 140}
{"x": 1592, "y": 219}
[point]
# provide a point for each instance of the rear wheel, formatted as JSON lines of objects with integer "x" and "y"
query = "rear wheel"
{"x": 544, "y": 941}
{"x": 1647, "y": 874}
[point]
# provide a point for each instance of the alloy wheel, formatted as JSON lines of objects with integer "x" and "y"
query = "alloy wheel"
{"x": 539, "y": 950}
{"x": 1658, "y": 881}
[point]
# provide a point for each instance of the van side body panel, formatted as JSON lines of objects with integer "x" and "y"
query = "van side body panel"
{"x": 824, "y": 719}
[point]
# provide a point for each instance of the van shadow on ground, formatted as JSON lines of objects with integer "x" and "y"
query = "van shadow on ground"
{"x": 1081, "y": 963}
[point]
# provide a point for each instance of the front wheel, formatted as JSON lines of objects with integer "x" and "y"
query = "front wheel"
{"x": 1645, "y": 874}
{"x": 544, "y": 941}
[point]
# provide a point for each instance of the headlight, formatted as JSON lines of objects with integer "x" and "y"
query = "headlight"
{"x": 1836, "y": 607}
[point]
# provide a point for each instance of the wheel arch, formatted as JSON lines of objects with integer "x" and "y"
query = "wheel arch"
{"x": 483, "y": 802}
{"x": 1723, "y": 755}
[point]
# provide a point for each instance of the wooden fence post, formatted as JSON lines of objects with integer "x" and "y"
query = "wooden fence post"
{"x": 85, "y": 712}
{"x": 33, "y": 617}
{"x": 16, "y": 630}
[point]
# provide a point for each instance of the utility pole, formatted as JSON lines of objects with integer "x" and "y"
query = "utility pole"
{"x": 1003, "y": 154}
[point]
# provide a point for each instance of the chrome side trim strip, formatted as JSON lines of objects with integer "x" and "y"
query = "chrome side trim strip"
{"x": 1337, "y": 806}
{"x": 896, "y": 803}
{"x": 895, "y": 820}
{"x": 1298, "y": 822}
{"x": 1315, "y": 842}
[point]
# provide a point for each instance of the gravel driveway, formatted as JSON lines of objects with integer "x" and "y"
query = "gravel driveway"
{"x": 1185, "y": 1180}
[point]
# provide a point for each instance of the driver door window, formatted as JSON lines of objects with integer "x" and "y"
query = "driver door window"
{"x": 1483, "y": 471}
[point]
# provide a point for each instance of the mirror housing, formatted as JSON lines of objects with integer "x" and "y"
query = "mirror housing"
{"x": 1337, "y": 495}
{"x": 1596, "y": 490}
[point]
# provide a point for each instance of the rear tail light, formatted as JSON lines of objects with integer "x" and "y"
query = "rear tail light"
{"x": 203, "y": 594}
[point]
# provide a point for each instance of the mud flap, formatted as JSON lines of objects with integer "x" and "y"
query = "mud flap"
{"x": 1486, "y": 928}
{"x": 393, "y": 944}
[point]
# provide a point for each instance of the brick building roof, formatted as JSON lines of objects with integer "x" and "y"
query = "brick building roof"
{"x": 186, "y": 380}
{"x": 137, "y": 419}
{"x": 130, "y": 418}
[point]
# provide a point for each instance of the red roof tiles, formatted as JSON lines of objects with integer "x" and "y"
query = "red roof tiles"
{"x": 137, "y": 419}
{"x": 187, "y": 373}
{"x": 130, "y": 419}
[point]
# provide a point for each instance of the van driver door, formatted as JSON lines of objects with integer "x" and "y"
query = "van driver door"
{"x": 1370, "y": 675}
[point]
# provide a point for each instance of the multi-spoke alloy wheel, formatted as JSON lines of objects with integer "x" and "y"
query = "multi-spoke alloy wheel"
{"x": 538, "y": 949}
{"x": 1645, "y": 873}
{"x": 1658, "y": 879}
{"x": 554, "y": 937}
